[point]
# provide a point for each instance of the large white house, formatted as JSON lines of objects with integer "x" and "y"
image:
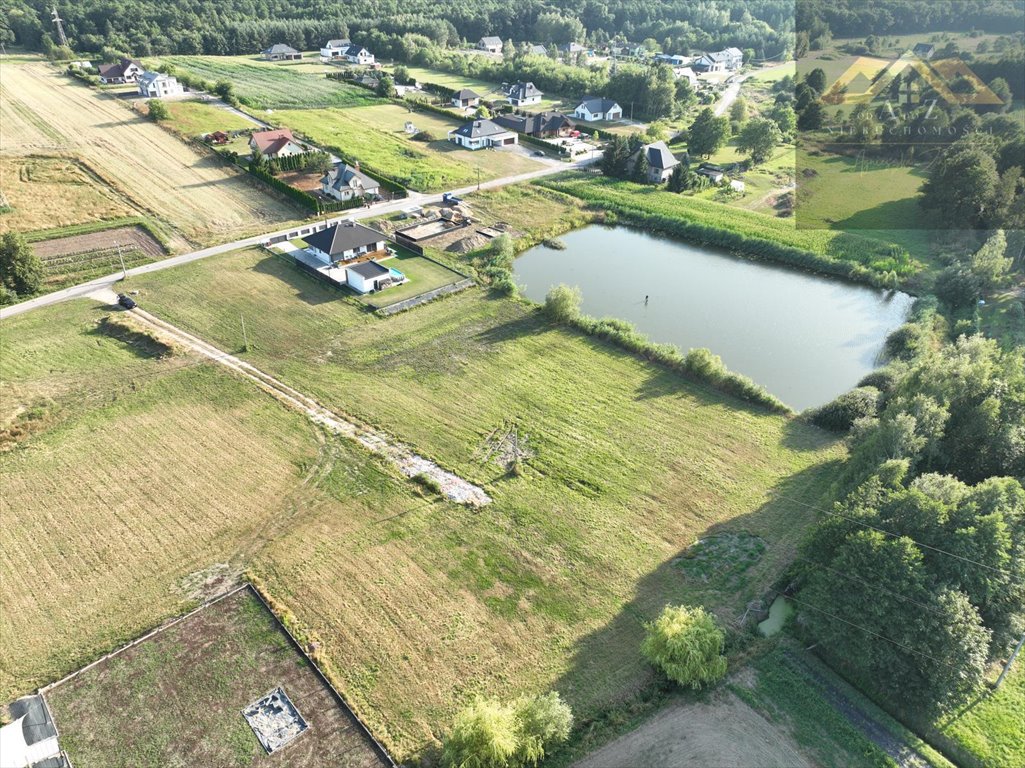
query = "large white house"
{"x": 357, "y": 54}
{"x": 726, "y": 60}
{"x": 333, "y": 49}
{"x": 523, "y": 94}
{"x": 157, "y": 85}
{"x": 344, "y": 182}
{"x": 593, "y": 109}
{"x": 480, "y": 134}
{"x": 490, "y": 44}
{"x": 278, "y": 143}
{"x": 345, "y": 241}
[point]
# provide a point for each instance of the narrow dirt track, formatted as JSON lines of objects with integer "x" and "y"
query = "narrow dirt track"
{"x": 408, "y": 463}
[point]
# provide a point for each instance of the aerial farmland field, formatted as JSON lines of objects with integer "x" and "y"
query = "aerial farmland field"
{"x": 131, "y": 161}
{"x": 267, "y": 85}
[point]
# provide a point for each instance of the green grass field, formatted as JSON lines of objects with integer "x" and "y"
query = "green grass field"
{"x": 267, "y": 85}
{"x": 449, "y": 80}
{"x": 375, "y": 136}
{"x": 424, "y": 275}
{"x": 548, "y": 586}
{"x": 195, "y": 118}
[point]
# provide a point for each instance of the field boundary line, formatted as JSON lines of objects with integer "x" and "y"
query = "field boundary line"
{"x": 142, "y": 638}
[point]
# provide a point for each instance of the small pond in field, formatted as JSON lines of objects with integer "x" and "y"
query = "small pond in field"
{"x": 779, "y": 612}
{"x": 804, "y": 337}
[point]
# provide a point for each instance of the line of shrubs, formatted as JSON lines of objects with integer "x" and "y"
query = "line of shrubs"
{"x": 305, "y": 199}
{"x": 396, "y": 188}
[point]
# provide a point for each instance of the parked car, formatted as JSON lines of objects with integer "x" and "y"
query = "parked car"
{"x": 126, "y": 301}
{"x": 451, "y": 199}
{"x": 539, "y": 153}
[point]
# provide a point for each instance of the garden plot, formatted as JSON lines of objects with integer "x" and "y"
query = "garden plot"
{"x": 75, "y": 259}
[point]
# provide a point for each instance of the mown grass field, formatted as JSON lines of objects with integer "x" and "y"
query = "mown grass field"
{"x": 269, "y": 85}
{"x": 157, "y": 174}
{"x": 126, "y": 478}
{"x": 196, "y": 118}
{"x": 377, "y": 138}
{"x": 183, "y": 690}
{"x": 548, "y": 586}
{"x": 424, "y": 275}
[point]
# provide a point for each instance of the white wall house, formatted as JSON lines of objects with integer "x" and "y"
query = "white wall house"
{"x": 661, "y": 161}
{"x": 524, "y": 94}
{"x": 333, "y": 49}
{"x": 357, "y": 54}
{"x": 157, "y": 85}
{"x": 490, "y": 44}
{"x": 344, "y": 241}
{"x": 481, "y": 134}
{"x": 344, "y": 182}
{"x": 368, "y": 276}
{"x": 593, "y": 109}
{"x": 279, "y": 143}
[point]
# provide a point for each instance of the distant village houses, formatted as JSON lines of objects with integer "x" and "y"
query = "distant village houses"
{"x": 490, "y": 44}
{"x": 281, "y": 52}
{"x": 123, "y": 71}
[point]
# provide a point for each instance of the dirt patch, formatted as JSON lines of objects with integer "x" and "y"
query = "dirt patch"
{"x": 724, "y": 733}
{"x": 127, "y": 237}
{"x": 307, "y": 182}
{"x": 466, "y": 244}
{"x": 142, "y": 340}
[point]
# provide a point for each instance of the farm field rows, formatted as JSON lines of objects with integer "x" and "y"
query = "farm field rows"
{"x": 548, "y": 586}
{"x": 139, "y": 162}
{"x": 375, "y": 136}
{"x": 268, "y": 85}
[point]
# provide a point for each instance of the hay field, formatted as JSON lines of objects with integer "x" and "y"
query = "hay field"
{"x": 419, "y": 603}
{"x": 165, "y": 179}
{"x": 127, "y": 479}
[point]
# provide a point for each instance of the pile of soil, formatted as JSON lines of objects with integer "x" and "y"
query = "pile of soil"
{"x": 469, "y": 243}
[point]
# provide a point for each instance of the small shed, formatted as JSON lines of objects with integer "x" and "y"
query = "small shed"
{"x": 367, "y": 276}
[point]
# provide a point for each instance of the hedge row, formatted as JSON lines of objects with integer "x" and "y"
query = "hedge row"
{"x": 305, "y": 199}
{"x": 295, "y": 162}
{"x": 390, "y": 184}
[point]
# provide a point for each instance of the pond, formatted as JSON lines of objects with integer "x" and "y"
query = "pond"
{"x": 804, "y": 337}
{"x": 779, "y": 612}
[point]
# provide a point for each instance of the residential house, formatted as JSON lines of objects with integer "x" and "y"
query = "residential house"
{"x": 345, "y": 182}
{"x": 924, "y": 50}
{"x": 630, "y": 51}
{"x": 523, "y": 94}
{"x": 593, "y": 108}
{"x": 157, "y": 85}
{"x": 572, "y": 49}
{"x": 544, "y": 125}
{"x": 726, "y": 60}
{"x": 333, "y": 48}
{"x": 218, "y": 137}
{"x": 536, "y": 50}
{"x": 712, "y": 172}
{"x": 688, "y": 73}
{"x": 480, "y": 134}
{"x": 281, "y": 52}
{"x": 368, "y": 81}
{"x": 357, "y": 54}
{"x": 465, "y": 98}
{"x": 124, "y": 71}
{"x": 673, "y": 60}
{"x": 490, "y": 44}
{"x": 277, "y": 143}
{"x": 345, "y": 241}
{"x": 660, "y": 161}
{"x": 368, "y": 276}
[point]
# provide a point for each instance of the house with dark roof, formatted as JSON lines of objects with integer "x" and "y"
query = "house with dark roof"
{"x": 714, "y": 173}
{"x": 481, "y": 134}
{"x": 277, "y": 143}
{"x": 124, "y": 71}
{"x": 571, "y": 49}
{"x": 672, "y": 59}
{"x": 523, "y": 94}
{"x": 345, "y": 241}
{"x": 924, "y": 50}
{"x": 726, "y": 60}
{"x": 345, "y": 182}
{"x": 490, "y": 44}
{"x": 536, "y": 50}
{"x": 357, "y": 54}
{"x": 592, "y": 109}
{"x": 368, "y": 276}
{"x": 333, "y": 48}
{"x": 465, "y": 98}
{"x": 660, "y": 161}
{"x": 543, "y": 125}
{"x": 281, "y": 52}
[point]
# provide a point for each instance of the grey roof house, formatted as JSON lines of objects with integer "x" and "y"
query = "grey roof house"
{"x": 345, "y": 241}
{"x": 660, "y": 161}
{"x": 281, "y": 52}
{"x": 479, "y": 134}
{"x": 490, "y": 44}
{"x": 344, "y": 182}
{"x": 520, "y": 94}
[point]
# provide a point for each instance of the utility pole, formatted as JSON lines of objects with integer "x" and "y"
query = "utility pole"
{"x": 478, "y": 178}
{"x": 1010, "y": 661}
{"x": 59, "y": 22}
{"x": 245, "y": 339}
{"x": 121, "y": 258}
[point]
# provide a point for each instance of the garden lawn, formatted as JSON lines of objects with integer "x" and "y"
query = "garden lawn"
{"x": 376, "y": 137}
{"x": 196, "y": 118}
{"x": 419, "y": 603}
{"x": 267, "y": 85}
{"x": 424, "y": 275}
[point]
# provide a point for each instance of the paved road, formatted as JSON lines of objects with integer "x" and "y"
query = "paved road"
{"x": 108, "y": 281}
{"x": 729, "y": 95}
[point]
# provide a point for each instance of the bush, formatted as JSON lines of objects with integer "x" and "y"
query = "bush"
{"x": 157, "y": 110}
{"x": 424, "y": 136}
{"x": 884, "y": 379}
{"x": 840, "y": 415}
{"x": 490, "y": 734}
{"x": 957, "y": 287}
{"x": 562, "y": 304}
{"x": 686, "y": 645}
{"x": 905, "y": 342}
{"x": 21, "y": 271}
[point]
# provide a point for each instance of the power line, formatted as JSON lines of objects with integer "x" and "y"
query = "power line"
{"x": 1001, "y": 571}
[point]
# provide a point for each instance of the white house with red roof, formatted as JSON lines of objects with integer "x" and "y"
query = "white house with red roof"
{"x": 276, "y": 143}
